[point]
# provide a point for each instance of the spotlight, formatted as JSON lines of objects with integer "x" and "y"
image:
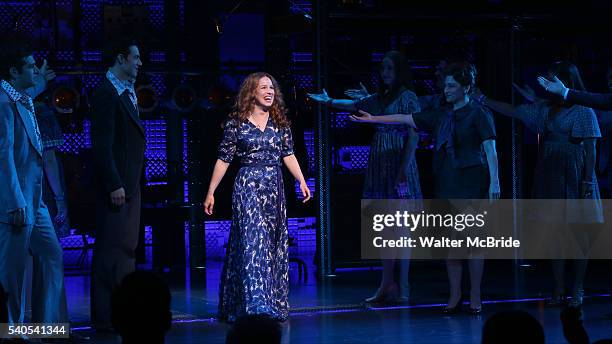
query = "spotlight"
{"x": 147, "y": 98}
{"x": 65, "y": 99}
{"x": 184, "y": 98}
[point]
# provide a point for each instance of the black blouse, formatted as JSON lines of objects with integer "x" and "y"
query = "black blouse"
{"x": 458, "y": 133}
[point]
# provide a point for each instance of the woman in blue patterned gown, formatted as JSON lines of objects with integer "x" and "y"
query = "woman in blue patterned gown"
{"x": 255, "y": 274}
{"x": 392, "y": 170}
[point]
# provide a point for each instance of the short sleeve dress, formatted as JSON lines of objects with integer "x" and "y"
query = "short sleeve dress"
{"x": 387, "y": 149}
{"x": 562, "y": 158}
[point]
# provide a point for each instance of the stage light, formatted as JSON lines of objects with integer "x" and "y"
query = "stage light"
{"x": 184, "y": 98}
{"x": 65, "y": 99}
{"x": 147, "y": 98}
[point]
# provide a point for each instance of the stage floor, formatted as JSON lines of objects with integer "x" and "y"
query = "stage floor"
{"x": 331, "y": 310}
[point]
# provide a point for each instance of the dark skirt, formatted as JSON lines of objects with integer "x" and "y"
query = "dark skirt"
{"x": 559, "y": 175}
{"x": 386, "y": 154}
{"x": 461, "y": 183}
{"x": 468, "y": 183}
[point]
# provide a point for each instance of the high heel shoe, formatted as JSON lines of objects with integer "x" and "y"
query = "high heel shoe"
{"x": 384, "y": 294}
{"x": 475, "y": 311}
{"x": 455, "y": 309}
{"x": 577, "y": 298}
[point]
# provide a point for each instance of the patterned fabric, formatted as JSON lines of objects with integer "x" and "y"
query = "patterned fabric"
{"x": 387, "y": 149}
{"x": 122, "y": 86}
{"x": 576, "y": 121}
{"x": 255, "y": 278}
{"x": 28, "y": 103}
{"x": 561, "y": 160}
{"x": 50, "y": 130}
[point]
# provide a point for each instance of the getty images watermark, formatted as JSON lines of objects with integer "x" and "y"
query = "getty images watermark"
{"x": 501, "y": 229}
{"x": 412, "y": 222}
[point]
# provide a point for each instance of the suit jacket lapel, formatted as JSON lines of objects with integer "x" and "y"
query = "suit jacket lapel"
{"x": 27, "y": 123}
{"x": 129, "y": 106}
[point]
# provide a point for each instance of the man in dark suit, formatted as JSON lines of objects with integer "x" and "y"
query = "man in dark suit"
{"x": 118, "y": 141}
{"x": 25, "y": 224}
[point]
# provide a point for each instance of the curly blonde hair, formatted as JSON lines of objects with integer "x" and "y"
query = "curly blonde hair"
{"x": 245, "y": 100}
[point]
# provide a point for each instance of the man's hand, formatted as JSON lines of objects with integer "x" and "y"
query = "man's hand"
{"x": 46, "y": 72}
{"x": 118, "y": 197}
{"x": 555, "y": 86}
{"x": 18, "y": 217}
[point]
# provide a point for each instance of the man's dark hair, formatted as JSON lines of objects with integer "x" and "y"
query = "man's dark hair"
{"x": 254, "y": 328}
{"x": 13, "y": 49}
{"x": 116, "y": 47}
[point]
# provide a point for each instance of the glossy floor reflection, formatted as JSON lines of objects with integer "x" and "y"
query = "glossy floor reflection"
{"x": 331, "y": 310}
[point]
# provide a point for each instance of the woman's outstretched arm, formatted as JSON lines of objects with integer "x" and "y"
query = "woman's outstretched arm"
{"x": 403, "y": 119}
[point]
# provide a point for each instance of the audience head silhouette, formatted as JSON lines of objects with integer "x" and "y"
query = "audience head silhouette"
{"x": 256, "y": 328}
{"x": 512, "y": 327}
{"x": 140, "y": 308}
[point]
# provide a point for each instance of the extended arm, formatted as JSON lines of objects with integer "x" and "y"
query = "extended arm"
{"x": 501, "y": 107}
{"x": 342, "y": 104}
{"x": 601, "y": 101}
{"x": 405, "y": 119}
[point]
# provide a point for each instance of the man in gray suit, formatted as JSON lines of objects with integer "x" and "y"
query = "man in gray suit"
{"x": 25, "y": 224}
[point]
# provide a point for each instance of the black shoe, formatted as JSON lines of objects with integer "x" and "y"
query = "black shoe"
{"x": 475, "y": 311}
{"x": 453, "y": 310}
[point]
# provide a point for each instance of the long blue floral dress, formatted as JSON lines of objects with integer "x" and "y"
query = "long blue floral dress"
{"x": 255, "y": 277}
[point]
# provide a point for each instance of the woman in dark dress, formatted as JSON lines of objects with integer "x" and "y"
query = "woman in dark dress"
{"x": 566, "y": 163}
{"x": 255, "y": 276}
{"x": 392, "y": 170}
{"x": 465, "y": 162}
